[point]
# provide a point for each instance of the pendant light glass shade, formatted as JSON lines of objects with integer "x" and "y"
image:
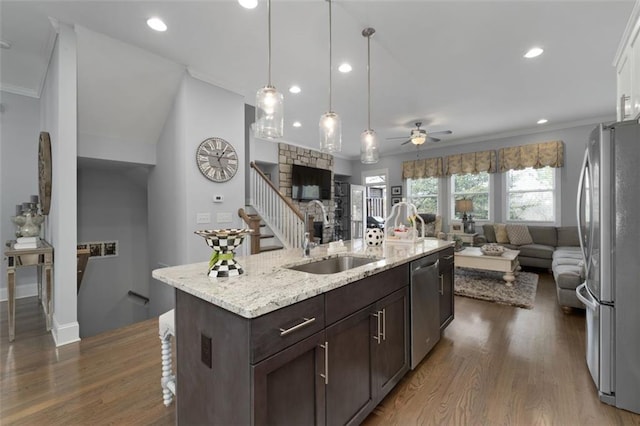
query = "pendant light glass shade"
{"x": 269, "y": 113}
{"x": 369, "y": 147}
{"x": 368, "y": 139}
{"x": 269, "y": 102}
{"x": 330, "y": 132}
{"x": 330, "y": 126}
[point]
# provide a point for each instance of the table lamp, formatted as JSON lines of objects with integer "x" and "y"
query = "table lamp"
{"x": 463, "y": 206}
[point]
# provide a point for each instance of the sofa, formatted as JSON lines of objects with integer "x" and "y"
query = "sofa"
{"x": 554, "y": 248}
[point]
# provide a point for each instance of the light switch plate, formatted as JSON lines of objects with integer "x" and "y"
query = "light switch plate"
{"x": 203, "y": 217}
{"x": 224, "y": 217}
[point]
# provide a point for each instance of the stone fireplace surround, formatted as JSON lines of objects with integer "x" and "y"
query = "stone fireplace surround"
{"x": 289, "y": 155}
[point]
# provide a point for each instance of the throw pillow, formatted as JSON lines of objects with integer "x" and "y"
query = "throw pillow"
{"x": 519, "y": 235}
{"x": 501, "y": 233}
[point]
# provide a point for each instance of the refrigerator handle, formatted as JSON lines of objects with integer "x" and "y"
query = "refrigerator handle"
{"x": 585, "y": 297}
{"x": 579, "y": 206}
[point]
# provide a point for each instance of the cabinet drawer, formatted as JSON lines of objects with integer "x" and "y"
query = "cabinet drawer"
{"x": 343, "y": 301}
{"x": 445, "y": 260}
{"x": 276, "y": 330}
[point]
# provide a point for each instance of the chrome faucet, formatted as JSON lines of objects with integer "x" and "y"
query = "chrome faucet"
{"x": 307, "y": 243}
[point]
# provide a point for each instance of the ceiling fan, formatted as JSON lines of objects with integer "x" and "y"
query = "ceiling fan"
{"x": 419, "y": 136}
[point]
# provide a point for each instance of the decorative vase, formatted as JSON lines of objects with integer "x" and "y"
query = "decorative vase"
{"x": 374, "y": 236}
{"x": 29, "y": 224}
{"x": 223, "y": 242}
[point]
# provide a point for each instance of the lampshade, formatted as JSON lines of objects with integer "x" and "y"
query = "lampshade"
{"x": 418, "y": 139}
{"x": 269, "y": 102}
{"x": 368, "y": 139}
{"x": 464, "y": 205}
{"x": 330, "y": 126}
{"x": 369, "y": 147}
{"x": 269, "y": 113}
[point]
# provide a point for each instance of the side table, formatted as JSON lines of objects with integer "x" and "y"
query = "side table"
{"x": 41, "y": 256}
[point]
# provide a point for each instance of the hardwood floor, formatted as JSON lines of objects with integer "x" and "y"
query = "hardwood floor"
{"x": 495, "y": 364}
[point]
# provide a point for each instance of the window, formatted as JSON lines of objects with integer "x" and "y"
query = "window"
{"x": 530, "y": 195}
{"x": 474, "y": 187}
{"x": 423, "y": 193}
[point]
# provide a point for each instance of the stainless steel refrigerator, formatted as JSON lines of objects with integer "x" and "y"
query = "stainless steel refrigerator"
{"x": 609, "y": 224}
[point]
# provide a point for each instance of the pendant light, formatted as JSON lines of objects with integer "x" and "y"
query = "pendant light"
{"x": 368, "y": 139}
{"x": 330, "y": 126}
{"x": 269, "y": 102}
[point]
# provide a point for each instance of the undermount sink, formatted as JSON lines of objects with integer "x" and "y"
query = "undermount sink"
{"x": 333, "y": 265}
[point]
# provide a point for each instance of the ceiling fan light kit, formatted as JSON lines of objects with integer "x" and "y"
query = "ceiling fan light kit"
{"x": 269, "y": 102}
{"x": 330, "y": 125}
{"x": 369, "y": 146}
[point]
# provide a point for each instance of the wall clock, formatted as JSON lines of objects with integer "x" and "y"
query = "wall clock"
{"x": 217, "y": 159}
{"x": 44, "y": 172}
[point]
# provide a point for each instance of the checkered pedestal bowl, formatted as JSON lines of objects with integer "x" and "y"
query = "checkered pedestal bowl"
{"x": 223, "y": 242}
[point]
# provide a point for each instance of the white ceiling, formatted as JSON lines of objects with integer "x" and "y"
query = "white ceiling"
{"x": 451, "y": 64}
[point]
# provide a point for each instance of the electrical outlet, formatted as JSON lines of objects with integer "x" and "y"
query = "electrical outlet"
{"x": 205, "y": 350}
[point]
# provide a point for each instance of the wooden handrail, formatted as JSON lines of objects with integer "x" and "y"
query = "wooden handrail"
{"x": 277, "y": 191}
{"x": 254, "y": 225}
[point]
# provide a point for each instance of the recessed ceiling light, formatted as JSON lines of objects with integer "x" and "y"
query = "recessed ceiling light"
{"x": 5, "y": 44}
{"x": 542, "y": 121}
{"x": 156, "y": 24}
{"x": 345, "y": 68}
{"x": 533, "y": 52}
{"x": 295, "y": 89}
{"x": 297, "y": 124}
{"x": 248, "y": 4}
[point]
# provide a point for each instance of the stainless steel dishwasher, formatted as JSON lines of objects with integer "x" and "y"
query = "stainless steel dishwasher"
{"x": 425, "y": 307}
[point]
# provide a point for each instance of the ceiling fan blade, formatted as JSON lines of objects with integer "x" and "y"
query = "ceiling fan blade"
{"x": 399, "y": 137}
{"x": 405, "y": 142}
{"x": 443, "y": 132}
{"x": 430, "y": 139}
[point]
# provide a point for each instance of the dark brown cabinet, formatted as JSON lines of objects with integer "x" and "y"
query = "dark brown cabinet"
{"x": 326, "y": 360}
{"x": 446, "y": 287}
{"x": 289, "y": 387}
{"x": 391, "y": 347}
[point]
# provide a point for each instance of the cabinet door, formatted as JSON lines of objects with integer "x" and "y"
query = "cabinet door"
{"x": 446, "y": 288}
{"x": 288, "y": 387}
{"x": 349, "y": 391}
{"x": 391, "y": 342}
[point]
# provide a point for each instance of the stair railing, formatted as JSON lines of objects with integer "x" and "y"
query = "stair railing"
{"x": 254, "y": 225}
{"x": 278, "y": 212}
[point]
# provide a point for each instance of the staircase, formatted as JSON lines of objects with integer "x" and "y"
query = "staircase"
{"x": 275, "y": 219}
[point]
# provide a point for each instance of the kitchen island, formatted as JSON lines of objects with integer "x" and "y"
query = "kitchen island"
{"x": 277, "y": 345}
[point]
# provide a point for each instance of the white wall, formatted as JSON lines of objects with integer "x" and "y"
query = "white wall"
{"x": 112, "y": 205}
{"x": 19, "y": 132}
{"x": 575, "y": 140}
{"x": 177, "y": 189}
{"x": 59, "y": 118}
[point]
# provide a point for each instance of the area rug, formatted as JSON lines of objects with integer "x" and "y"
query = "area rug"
{"x": 489, "y": 285}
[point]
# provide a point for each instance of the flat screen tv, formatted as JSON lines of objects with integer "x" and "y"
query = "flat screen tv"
{"x": 310, "y": 183}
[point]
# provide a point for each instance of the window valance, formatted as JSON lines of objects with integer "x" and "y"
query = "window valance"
{"x": 471, "y": 162}
{"x": 535, "y": 155}
{"x": 425, "y": 168}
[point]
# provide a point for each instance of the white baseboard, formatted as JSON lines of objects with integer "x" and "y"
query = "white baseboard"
{"x": 22, "y": 290}
{"x": 63, "y": 334}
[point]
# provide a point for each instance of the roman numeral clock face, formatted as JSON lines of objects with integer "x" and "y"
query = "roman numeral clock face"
{"x": 217, "y": 159}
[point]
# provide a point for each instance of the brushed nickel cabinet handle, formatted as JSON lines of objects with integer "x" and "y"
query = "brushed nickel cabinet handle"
{"x": 325, "y": 376}
{"x": 442, "y": 284}
{"x": 306, "y": 322}
{"x": 448, "y": 257}
{"x": 377, "y": 336}
{"x": 384, "y": 323}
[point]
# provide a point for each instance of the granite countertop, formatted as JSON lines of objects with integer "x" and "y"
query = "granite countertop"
{"x": 267, "y": 285}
